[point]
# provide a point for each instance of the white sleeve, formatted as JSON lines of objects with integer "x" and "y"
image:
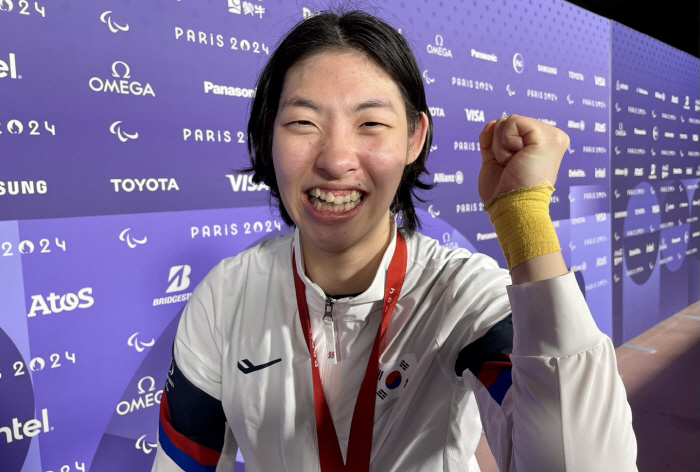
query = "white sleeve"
{"x": 193, "y": 433}
{"x": 567, "y": 408}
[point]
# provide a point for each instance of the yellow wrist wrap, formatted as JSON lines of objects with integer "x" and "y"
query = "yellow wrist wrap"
{"x": 522, "y": 223}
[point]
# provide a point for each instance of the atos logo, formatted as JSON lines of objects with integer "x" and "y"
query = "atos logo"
{"x": 105, "y": 17}
{"x": 600, "y": 127}
{"x": 54, "y": 303}
{"x": 9, "y": 67}
{"x": 123, "y": 136}
{"x": 474, "y": 115}
{"x": 178, "y": 278}
{"x": 148, "y": 397}
{"x": 518, "y": 63}
{"x": 122, "y": 86}
{"x": 29, "y": 429}
{"x": 438, "y": 48}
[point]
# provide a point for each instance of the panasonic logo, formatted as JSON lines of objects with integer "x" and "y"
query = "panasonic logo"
{"x": 640, "y": 131}
{"x": 484, "y": 56}
{"x": 152, "y": 184}
{"x": 227, "y": 90}
{"x": 29, "y": 429}
{"x": 9, "y": 67}
{"x": 642, "y": 91}
{"x": 474, "y": 115}
{"x": 23, "y": 187}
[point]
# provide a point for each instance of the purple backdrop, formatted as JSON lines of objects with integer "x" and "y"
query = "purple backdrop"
{"x": 122, "y": 126}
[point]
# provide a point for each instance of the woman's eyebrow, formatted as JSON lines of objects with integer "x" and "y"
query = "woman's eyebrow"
{"x": 375, "y": 103}
{"x": 366, "y": 105}
{"x": 301, "y": 102}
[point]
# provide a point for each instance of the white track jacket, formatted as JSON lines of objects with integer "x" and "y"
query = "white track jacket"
{"x": 241, "y": 374}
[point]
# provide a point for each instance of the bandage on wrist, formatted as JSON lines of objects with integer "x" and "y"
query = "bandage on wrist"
{"x": 522, "y": 223}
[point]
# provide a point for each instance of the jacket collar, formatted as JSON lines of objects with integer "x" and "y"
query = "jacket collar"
{"x": 346, "y": 308}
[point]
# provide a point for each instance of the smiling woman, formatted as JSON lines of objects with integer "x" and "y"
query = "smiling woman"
{"x": 354, "y": 344}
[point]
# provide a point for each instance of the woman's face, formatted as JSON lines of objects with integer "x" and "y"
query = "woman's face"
{"x": 340, "y": 144}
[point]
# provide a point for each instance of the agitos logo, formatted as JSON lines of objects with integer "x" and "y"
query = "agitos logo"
{"x": 124, "y": 86}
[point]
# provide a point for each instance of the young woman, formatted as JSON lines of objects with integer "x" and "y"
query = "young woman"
{"x": 353, "y": 344}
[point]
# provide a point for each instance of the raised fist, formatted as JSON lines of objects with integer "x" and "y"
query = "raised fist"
{"x": 518, "y": 151}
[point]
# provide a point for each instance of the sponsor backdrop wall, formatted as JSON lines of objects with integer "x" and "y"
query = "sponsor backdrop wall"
{"x": 122, "y": 124}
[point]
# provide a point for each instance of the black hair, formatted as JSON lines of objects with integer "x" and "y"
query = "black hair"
{"x": 353, "y": 30}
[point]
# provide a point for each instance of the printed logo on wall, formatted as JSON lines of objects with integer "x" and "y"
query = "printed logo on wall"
{"x": 9, "y": 68}
{"x": 123, "y": 86}
{"x": 518, "y": 63}
{"x": 179, "y": 278}
{"x": 438, "y": 48}
{"x": 131, "y": 242}
{"x": 106, "y": 18}
{"x": 115, "y": 128}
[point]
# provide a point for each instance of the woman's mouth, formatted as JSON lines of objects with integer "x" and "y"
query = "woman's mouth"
{"x": 334, "y": 201}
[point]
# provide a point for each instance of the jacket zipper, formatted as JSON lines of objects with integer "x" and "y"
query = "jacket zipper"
{"x": 329, "y": 330}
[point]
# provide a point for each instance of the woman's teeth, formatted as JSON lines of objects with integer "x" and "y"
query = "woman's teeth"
{"x": 328, "y": 201}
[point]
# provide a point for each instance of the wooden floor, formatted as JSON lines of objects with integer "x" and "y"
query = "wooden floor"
{"x": 661, "y": 372}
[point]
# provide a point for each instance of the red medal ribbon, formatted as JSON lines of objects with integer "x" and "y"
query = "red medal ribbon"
{"x": 360, "y": 441}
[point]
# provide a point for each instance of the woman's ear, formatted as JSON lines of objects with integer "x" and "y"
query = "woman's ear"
{"x": 416, "y": 140}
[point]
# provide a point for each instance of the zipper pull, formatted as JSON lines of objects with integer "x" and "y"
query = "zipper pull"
{"x": 329, "y": 329}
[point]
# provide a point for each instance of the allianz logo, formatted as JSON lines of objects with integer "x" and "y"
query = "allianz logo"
{"x": 457, "y": 178}
{"x": 9, "y": 67}
{"x": 29, "y": 429}
{"x": 55, "y": 303}
{"x": 120, "y": 83}
{"x": 438, "y": 49}
{"x": 580, "y": 125}
{"x": 474, "y": 115}
{"x": 244, "y": 183}
{"x": 147, "y": 397}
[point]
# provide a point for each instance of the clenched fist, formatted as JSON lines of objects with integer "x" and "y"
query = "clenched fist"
{"x": 518, "y": 151}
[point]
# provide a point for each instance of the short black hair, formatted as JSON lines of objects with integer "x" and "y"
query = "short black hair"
{"x": 356, "y": 31}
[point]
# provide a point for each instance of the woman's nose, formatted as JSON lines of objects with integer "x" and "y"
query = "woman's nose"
{"x": 338, "y": 154}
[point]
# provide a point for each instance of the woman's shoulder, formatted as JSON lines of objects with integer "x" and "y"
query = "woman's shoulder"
{"x": 261, "y": 257}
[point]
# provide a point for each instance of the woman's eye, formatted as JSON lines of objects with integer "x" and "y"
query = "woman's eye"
{"x": 302, "y": 122}
{"x": 371, "y": 124}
